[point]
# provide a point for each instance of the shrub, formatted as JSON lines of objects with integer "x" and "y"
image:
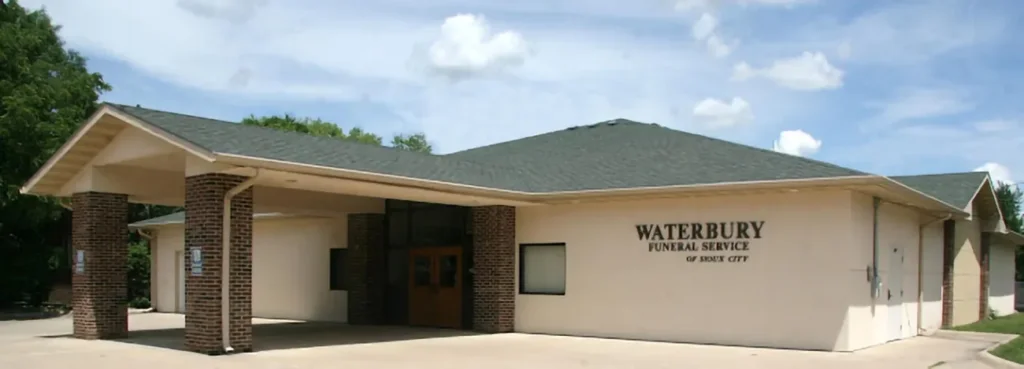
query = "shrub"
{"x": 139, "y": 303}
{"x": 138, "y": 271}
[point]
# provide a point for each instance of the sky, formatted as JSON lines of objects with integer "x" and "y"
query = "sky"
{"x": 887, "y": 87}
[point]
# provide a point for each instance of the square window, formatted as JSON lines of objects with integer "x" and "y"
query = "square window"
{"x": 338, "y": 259}
{"x": 542, "y": 269}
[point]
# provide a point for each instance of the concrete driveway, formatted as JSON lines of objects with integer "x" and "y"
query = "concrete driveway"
{"x": 156, "y": 339}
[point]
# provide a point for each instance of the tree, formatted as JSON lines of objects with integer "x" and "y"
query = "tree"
{"x": 45, "y": 92}
{"x": 415, "y": 142}
{"x": 317, "y": 127}
{"x": 1010, "y": 202}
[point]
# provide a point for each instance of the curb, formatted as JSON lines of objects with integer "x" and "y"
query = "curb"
{"x": 995, "y": 361}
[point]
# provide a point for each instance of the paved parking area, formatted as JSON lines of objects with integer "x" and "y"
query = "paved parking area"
{"x": 156, "y": 339}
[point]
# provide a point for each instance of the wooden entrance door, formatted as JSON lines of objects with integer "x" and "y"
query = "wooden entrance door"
{"x": 435, "y": 287}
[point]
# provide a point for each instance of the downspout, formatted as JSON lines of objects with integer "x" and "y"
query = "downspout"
{"x": 920, "y": 270}
{"x": 876, "y": 202}
{"x": 225, "y": 283}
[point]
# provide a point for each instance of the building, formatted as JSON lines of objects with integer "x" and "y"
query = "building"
{"x": 618, "y": 229}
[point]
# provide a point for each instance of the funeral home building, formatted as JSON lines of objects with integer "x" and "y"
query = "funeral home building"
{"x": 617, "y": 229}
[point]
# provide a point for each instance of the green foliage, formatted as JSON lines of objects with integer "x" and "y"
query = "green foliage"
{"x": 138, "y": 270}
{"x": 318, "y": 127}
{"x": 1010, "y": 201}
{"x": 45, "y": 92}
{"x": 140, "y": 303}
{"x": 415, "y": 142}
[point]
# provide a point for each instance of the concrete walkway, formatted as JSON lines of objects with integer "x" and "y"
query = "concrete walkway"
{"x": 155, "y": 344}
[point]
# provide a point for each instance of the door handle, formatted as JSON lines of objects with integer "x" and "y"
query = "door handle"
{"x": 890, "y": 294}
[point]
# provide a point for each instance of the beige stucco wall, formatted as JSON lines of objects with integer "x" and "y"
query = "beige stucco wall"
{"x": 290, "y": 268}
{"x": 967, "y": 271}
{"x": 169, "y": 241}
{"x": 898, "y": 227}
{"x": 1002, "y": 270}
{"x": 804, "y": 285}
{"x": 931, "y": 268}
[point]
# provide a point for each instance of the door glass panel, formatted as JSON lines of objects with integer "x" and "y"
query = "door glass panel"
{"x": 449, "y": 270}
{"x": 421, "y": 270}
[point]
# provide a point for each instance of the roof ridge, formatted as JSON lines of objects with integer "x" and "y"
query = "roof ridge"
{"x": 761, "y": 149}
{"x": 269, "y": 129}
{"x": 941, "y": 174}
{"x": 601, "y": 124}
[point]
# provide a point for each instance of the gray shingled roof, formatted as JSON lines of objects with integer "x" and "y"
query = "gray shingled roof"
{"x": 956, "y": 189}
{"x": 608, "y": 155}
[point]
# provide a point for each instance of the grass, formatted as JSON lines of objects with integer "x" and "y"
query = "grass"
{"x": 1011, "y": 324}
{"x": 1012, "y": 351}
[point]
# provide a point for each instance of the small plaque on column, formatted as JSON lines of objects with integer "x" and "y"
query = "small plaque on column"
{"x": 79, "y": 261}
{"x": 197, "y": 261}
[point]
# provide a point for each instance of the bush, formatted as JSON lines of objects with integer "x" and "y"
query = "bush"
{"x": 139, "y": 303}
{"x": 138, "y": 271}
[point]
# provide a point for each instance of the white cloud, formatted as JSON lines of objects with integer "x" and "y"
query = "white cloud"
{"x": 467, "y": 47}
{"x": 997, "y": 126}
{"x": 844, "y": 50}
{"x": 720, "y": 114}
{"x": 785, "y": 3}
{"x": 797, "y": 142}
{"x": 704, "y": 26}
{"x": 703, "y": 30}
{"x": 809, "y": 71}
{"x": 695, "y": 5}
{"x": 925, "y": 103}
{"x": 706, "y": 5}
{"x": 234, "y": 11}
{"x": 367, "y": 60}
{"x": 717, "y": 48}
{"x": 1000, "y": 173}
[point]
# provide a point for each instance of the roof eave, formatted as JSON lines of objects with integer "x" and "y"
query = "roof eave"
{"x": 29, "y": 187}
{"x": 923, "y": 200}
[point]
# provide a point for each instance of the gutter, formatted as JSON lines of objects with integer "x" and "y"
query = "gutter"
{"x": 225, "y": 283}
{"x": 145, "y": 235}
{"x": 920, "y": 270}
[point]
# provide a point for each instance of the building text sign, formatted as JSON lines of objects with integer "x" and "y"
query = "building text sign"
{"x": 708, "y": 242}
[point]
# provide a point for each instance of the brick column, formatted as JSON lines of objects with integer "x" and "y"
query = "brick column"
{"x": 204, "y": 214}
{"x": 99, "y": 232}
{"x": 366, "y": 269}
{"x": 986, "y": 250}
{"x": 494, "y": 263}
{"x": 948, "y": 257}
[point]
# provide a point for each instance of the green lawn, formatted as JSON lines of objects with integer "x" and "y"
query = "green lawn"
{"x": 1012, "y": 324}
{"x": 1012, "y": 351}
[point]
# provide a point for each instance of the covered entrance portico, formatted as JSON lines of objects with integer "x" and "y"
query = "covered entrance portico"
{"x": 426, "y": 256}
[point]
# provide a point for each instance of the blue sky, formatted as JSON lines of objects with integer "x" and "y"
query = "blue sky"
{"x": 890, "y": 87}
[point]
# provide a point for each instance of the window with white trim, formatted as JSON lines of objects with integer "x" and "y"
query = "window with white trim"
{"x": 542, "y": 268}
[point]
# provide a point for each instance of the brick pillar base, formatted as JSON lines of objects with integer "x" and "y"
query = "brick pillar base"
{"x": 494, "y": 263}
{"x": 986, "y": 250}
{"x": 366, "y": 269}
{"x": 99, "y": 234}
{"x": 204, "y": 215}
{"x": 948, "y": 256}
